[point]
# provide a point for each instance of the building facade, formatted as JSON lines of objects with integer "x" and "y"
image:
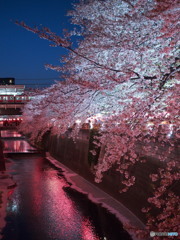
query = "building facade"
{"x": 12, "y": 100}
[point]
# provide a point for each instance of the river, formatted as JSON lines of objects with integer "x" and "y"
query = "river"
{"x": 43, "y": 206}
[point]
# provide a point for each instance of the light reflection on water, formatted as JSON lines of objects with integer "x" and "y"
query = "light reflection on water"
{"x": 17, "y": 146}
{"x": 44, "y": 207}
{"x": 10, "y": 133}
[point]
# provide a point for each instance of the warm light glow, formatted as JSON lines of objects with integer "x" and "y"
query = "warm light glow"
{"x": 78, "y": 121}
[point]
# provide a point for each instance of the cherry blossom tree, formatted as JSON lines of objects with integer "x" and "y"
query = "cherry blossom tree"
{"x": 126, "y": 67}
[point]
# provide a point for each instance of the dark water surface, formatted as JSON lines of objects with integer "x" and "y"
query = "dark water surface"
{"x": 44, "y": 207}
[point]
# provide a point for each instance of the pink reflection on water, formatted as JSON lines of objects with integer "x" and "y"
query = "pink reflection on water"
{"x": 61, "y": 210}
{"x": 17, "y": 146}
{"x": 36, "y": 188}
{"x": 10, "y": 133}
{"x": 87, "y": 231}
{"x": 51, "y": 211}
{"x": 64, "y": 219}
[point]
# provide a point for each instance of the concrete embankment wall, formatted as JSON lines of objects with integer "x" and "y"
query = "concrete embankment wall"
{"x": 75, "y": 155}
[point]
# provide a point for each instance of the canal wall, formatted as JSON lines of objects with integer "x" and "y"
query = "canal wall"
{"x": 76, "y": 155}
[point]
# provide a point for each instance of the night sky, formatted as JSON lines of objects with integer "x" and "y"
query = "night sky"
{"x": 22, "y": 53}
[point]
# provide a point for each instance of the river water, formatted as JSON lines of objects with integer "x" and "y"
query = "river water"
{"x": 43, "y": 206}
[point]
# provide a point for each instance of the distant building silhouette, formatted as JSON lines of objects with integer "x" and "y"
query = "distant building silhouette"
{"x": 7, "y": 81}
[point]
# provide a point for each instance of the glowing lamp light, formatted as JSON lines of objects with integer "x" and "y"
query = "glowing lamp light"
{"x": 150, "y": 124}
{"x": 78, "y": 121}
{"x": 164, "y": 122}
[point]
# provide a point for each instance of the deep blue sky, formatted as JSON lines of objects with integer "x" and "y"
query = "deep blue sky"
{"x": 22, "y": 53}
